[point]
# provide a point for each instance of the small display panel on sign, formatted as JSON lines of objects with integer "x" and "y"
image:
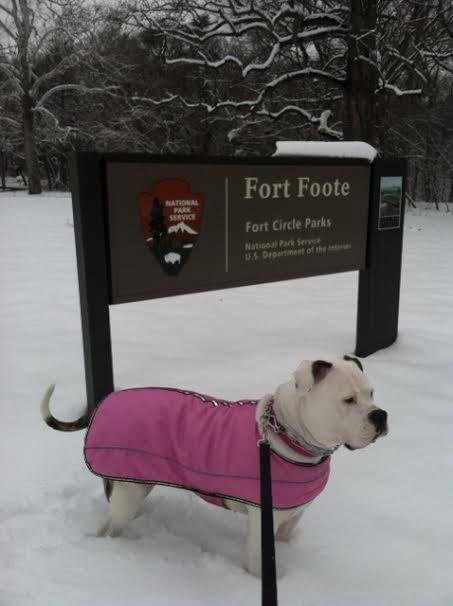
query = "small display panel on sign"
{"x": 390, "y": 197}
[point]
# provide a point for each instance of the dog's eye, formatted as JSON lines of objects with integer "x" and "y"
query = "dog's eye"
{"x": 350, "y": 400}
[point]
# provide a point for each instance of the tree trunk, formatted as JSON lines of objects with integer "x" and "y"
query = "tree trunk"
{"x": 360, "y": 109}
{"x": 3, "y": 168}
{"x": 415, "y": 180}
{"x": 48, "y": 170}
{"x": 31, "y": 156}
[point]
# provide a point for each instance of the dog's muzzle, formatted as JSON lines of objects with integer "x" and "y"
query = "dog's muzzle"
{"x": 378, "y": 418}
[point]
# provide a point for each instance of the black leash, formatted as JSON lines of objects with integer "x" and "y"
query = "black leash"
{"x": 268, "y": 571}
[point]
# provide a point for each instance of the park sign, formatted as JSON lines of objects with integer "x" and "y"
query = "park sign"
{"x": 156, "y": 226}
{"x": 182, "y": 226}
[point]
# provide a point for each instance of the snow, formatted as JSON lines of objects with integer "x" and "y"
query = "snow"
{"x": 381, "y": 532}
{"x": 326, "y": 149}
{"x": 181, "y": 227}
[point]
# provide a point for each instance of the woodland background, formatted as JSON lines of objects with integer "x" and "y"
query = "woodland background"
{"x": 224, "y": 77}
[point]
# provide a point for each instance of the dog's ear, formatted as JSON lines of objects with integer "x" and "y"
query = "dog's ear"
{"x": 355, "y": 360}
{"x": 309, "y": 373}
{"x": 320, "y": 369}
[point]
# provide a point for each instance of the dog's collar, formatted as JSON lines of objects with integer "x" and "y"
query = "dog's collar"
{"x": 292, "y": 439}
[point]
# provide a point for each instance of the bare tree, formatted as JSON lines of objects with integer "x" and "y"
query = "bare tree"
{"x": 30, "y": 29}
{"x": 266, "y": 49}
{"x": 226, "y": 77}
{"x": 330, "y": 63}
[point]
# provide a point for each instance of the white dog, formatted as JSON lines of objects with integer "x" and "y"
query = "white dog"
{"x": 324, "y": 405}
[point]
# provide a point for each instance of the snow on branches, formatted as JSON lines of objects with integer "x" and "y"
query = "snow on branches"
{"x": 275, "y": 54}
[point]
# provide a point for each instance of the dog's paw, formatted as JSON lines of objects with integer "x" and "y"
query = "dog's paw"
{"x": 254, "y": 568}
{"x": 103, "y": 530}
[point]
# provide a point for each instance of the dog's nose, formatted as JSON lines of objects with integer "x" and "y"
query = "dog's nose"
{"x": 379, "y": 419}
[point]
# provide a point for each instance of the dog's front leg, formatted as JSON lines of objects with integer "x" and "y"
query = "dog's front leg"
{"x": 287, "y": 526}
{"x": 281, "y": 518}
{"x": 254, "y": 540}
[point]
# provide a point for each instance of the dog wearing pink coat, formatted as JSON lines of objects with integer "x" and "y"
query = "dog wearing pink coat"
{"x": 139, "y": 438}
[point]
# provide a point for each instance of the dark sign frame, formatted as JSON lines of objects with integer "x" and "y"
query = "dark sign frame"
{"x": 379, "y": 281}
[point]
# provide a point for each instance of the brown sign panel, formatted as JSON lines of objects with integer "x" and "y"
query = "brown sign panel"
{"x": 180, "y": 227}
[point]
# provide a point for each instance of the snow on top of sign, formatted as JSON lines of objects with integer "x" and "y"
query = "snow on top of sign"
{"x": 330, "y": 149}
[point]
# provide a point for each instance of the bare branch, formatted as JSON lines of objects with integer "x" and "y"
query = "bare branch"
{"x": 75, "y": 87}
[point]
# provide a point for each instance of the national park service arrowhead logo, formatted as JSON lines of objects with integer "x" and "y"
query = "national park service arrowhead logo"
{"x": 171, "y": 219}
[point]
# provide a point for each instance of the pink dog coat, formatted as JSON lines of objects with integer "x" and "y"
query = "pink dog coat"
{"x": 188, "y": 440}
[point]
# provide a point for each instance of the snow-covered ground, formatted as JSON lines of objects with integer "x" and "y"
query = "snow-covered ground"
{"x": 379, "y": 535}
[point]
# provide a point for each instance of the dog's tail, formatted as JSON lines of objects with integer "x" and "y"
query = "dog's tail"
{"x": 51, "y": 421}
